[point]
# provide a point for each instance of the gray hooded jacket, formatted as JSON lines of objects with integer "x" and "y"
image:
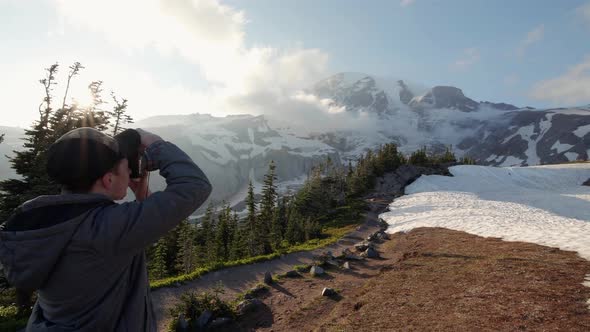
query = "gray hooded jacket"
{"x": 85, "y": 253}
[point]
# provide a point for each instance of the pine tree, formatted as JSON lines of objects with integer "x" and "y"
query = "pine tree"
{"x": 158, "y": 268}
{"x": 222, "y": 235}
{"x": 251, "y": 228}
{"x": 238, "y": 248}
{"x": 267, "y": 207}
{"x": 279, "y": 225}
{"x": 186, "y": 259}
{"x": 119, "y": 114}
{"x": 30, "y": 162}
{"x": 208, "y": 234}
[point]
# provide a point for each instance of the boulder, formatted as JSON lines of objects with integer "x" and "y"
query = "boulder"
{"x": 316, "y": 271}
{"x": 350, "y": 255}
{"x": 255, "y": 291}
{"x": 268, "y": 278}
{"x": 328, "y": 292}
{"x": 370, "y": 253}
{"x": 292, "y": 274}
{"x": 346, "y": 266}
{"x": 219, "y": 322}
{"x": 204, "y": 318}
{"x": 248, "y": 306}
{"x": 362, "y": 246}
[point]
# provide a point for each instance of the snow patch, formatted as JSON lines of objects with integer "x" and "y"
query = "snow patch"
{"x": 582, "y": 131}
{"x": 561, "y": 147}
{"x": 571, "y": 156}
{"x": 512, "y": 161}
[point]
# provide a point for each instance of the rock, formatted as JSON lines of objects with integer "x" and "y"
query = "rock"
{"x": 292, "y": 274}
{"x": 350, "y": 255}
{"x": 316, "y": 271}
{"x": 204, "y": 318}
{"x": 332, "y": 262}
{"x": 182, "y": 324}
{"x": 346, "y": 266}
{"x": 219, "y": 322}
{"x": 268, "y": 278}
{"x": 304, "y": 268}
{"x": 328, "y": 292}
{"x": 370, "y": 253}
{"x": 586, "y": 183}
{"x": 361, "y": 246}
{"x": 255, "y": 291}
{"x": 248, "y": 305}
{"x": 381, "y": 235}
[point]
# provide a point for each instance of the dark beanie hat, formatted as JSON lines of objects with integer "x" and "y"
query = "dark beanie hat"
{"x": 81, "y": 156}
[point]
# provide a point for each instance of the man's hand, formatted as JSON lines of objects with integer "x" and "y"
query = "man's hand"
{"x": 140, "y": 187}
{"x": 147, "y": 138}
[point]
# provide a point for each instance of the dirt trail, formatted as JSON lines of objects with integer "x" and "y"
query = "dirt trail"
{"x": 238, "y": 279}
{"x": 434, "y": 279}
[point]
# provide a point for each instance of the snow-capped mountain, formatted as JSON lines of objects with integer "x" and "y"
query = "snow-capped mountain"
{"x": 235, "y": 149}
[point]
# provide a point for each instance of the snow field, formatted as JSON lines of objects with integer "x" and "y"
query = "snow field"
{"x": 545, "y": 205}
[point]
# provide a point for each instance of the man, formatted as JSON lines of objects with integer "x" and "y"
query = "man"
{"x": 83, "y": 252}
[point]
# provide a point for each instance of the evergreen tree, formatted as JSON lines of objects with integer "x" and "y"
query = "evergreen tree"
{"x": 186, "y": 259}
{"x": 267, "y": 207}
{"x": 30, "y": 162}
{"x": 239, "y": 248}
{"x": 279, "y": 225}
{"x": 223, "y": 234}
{"x": 158, "y": 268}
{"x": 119, "y": 115}
{"x": 208, "y": 234}
{"x": 251, "y": 228}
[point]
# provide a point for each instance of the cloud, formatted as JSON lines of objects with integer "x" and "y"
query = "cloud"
{"x": 573, "y": 87}
{"x": 206, "y": 33}
{"x": 531, "y": 38}
{"x": 405, "y": 3}
{"x": 470, "y": 57}
{"x": 210, "y": 36}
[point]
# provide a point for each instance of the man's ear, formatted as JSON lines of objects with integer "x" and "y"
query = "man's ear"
{"x": 107, "y": 180}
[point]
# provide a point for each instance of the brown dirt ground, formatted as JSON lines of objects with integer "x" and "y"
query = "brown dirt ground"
{"x": 436, "y": 279}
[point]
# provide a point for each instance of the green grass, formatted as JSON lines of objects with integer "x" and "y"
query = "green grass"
{"x": 332, "y": 235}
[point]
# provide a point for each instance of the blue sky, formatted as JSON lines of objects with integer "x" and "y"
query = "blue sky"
{"x": 224, "y": 57}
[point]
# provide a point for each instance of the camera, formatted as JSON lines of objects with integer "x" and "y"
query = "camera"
{"x": 129, "y": 142}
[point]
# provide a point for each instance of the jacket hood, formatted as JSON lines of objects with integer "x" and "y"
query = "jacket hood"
{"x": 34, "y": 237}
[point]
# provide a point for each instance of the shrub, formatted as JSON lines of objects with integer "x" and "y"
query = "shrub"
{"x": 193, "y": 304}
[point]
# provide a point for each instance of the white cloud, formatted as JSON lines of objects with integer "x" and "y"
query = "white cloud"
{"x": 405, "y": 3}
{"x": 531, "y": 38}
{"x": 573, "y": 87}
{"x": 209, "y": 35}
{"x": 470, "y": 57}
